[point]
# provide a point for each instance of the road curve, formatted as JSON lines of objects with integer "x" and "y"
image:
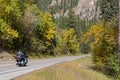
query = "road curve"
{"x": 9, "y": 71}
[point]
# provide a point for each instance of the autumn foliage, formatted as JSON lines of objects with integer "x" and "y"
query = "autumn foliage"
{"x": 103, "y": 44}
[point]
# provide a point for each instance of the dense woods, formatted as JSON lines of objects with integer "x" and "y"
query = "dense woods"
{"x": 30, "y": 25}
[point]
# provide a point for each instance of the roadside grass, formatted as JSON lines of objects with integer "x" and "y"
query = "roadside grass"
{"x": 75, "y": 70}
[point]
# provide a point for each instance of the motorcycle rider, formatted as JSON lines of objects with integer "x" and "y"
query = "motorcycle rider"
{"x": 22, "y": 56}
{"x": 19, "y": 55}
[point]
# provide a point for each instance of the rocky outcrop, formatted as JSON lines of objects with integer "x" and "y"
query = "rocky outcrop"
{"x": 85, "y": 8}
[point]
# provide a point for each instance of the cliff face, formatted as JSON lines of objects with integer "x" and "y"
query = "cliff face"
{"x": 83, "y": 8}
{"x": 86, "y": 8}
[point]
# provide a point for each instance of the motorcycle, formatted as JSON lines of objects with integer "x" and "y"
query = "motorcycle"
{"x": 20, "y": 61}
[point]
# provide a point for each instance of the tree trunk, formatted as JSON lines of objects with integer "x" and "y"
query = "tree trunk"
{"x": 119, "y": 35}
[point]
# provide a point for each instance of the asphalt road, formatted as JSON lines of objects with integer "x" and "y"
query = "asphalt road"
{"x": 9, "y": 71}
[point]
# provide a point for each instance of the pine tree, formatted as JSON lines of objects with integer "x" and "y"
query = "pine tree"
{"x": 108, "y": 9}
{"x": 72, "y": 19}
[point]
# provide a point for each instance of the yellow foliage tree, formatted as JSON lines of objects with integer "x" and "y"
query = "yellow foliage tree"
{"x": 9, "y": 12}
{"x": 98, "y": 36}
{"x": 46, "y": 28}
{"x": 9, "y": 9}
{"x": 6, "y": 33}
{"x": 67, "y": 41}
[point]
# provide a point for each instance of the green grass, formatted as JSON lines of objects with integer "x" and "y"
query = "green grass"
{"x": 75, "y": 70}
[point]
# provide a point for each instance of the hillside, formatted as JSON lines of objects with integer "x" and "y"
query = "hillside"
{"x": 60, "y": 8}
{"x": 82, "y": 8}
{"x": 5, "y": 56}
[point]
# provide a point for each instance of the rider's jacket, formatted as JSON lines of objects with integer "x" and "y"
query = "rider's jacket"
{"x": 20, "y": 54}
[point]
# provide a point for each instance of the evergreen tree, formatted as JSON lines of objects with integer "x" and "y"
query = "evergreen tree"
{"x": 72, "y": 19}
{"x": 108, "y": 9}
